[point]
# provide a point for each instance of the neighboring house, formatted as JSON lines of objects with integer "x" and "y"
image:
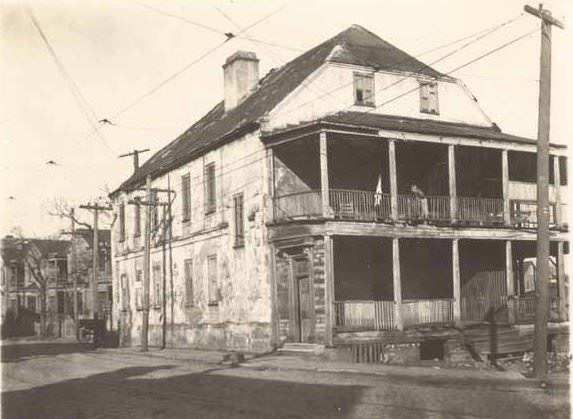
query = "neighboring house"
{"x": 84, "y": 254}
{"x": 295, "y": 218}
{"x": 28, "y": 266}
{"x": 53, "y": 258}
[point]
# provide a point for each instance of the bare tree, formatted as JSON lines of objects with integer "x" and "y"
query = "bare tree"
{"x": 60, "y": 207}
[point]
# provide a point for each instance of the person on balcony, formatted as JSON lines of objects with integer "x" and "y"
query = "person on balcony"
{"x": 423, "y": 201}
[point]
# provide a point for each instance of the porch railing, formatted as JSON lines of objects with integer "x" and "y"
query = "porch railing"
{"x": 525, "y": 313}
{"x": 432, "y": 311}
{"x": 476, "y": 309}
{"x": 483, "y": 211}
{"x": 346, "y": 204}
{"x": 359, "y": 205}
{"x": 524, "y": 213}
{"x": 364, "y": 314}
{"x": 298, "y": 205}
{"x": 433, "y": 208}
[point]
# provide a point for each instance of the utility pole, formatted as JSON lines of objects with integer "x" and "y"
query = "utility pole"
{"x": 135, "y": 154}
{"x": 172, "y": 306}
{"x": 543, "y": 126}
{"x": 74, "y": 271}
{"x": 164, "y": 280}
{"x": 95, "y": 266}
{"x": 148, "y": 204}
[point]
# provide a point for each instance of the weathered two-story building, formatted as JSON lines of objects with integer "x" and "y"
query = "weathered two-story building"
{"x": 354, "y": 196}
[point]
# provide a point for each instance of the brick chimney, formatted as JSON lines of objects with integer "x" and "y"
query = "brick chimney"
{"x": 241, "y": 73}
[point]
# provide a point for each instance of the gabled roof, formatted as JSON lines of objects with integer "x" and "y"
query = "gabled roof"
{"x": 104, "y": 236}
{"x": 355, "y": 45}
{"x": 15, "y": 249}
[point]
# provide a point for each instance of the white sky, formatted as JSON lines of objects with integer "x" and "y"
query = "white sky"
{"x": 116, "y": 51}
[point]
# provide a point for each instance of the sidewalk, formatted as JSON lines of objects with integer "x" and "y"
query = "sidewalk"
{"x": 310, "y": 362}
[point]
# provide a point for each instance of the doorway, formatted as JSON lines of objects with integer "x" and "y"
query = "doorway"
{"x": 303, "y": 298}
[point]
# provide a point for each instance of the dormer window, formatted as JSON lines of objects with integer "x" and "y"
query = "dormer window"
{"x": 429, "y": 97}
{"x": 363, "y": 89}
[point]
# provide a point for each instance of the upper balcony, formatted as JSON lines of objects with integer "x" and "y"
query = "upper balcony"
{"x": 352, "y": 178}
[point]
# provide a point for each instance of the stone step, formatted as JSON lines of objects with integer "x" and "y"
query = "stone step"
{"x": 302, "y": 347}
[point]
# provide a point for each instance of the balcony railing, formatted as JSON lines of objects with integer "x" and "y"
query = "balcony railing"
{"x": 376, "y": 207}
{"x": 433, "y": 311}
{"x": 359, "y": 205}
{"x": 306, "y": 204}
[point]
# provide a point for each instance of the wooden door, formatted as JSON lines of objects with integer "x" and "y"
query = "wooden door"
{"x": 304, "y": 307}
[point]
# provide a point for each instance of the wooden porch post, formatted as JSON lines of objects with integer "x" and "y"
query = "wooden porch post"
{"x": 452, "y": 182}
{"x": 456, "y": 279}
{"x": 505, "y": 186}
{"x": 329, "y": 289}
{"x": 397, "y": 284}
{"x": 561, "y": 281}
{"x": 271, "y": 180}
{"x": 275, "y": 323}
{"x": 557, "y": 190}
{"x": 509, "y": 278}
{"x": 324, "y": 175}
{"x": 393, "y": 179}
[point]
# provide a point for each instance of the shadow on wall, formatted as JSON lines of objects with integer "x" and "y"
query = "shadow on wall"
{"x": 123, "y": 394}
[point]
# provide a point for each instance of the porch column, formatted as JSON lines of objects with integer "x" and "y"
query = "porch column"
{"x": 557, "y": 190}
{"x": 509, "y": 278}
{"x": 561, "y": 281}
{"x": 397, "y": 284}
{"x": 505, "y": 186}
{"x": 393, "y": 179}
{"x": 452, "y": 182}
{"x": 271, "y": 179}
{"x": 324, "y": 188}
{"x": 456, "y": 279}
{"x": 329, "y": 289}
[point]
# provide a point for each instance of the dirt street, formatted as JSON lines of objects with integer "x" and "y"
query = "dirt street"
{"x": 66, "y": 380}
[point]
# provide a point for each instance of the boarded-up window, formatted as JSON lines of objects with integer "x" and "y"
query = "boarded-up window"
{"x": 136, "y": 220}
{"x": 186, "y": 197}
{"x": 210, "y": 189}
{"x": 239, "y": 219}
{"x": 122, "y": 222}
{"x": 364, "y": 89}
{"x": 189, "y": 299}
{"x": 429, "y": 97}
{"x": 213, "y": 278}
{"x": 157, "y": 286}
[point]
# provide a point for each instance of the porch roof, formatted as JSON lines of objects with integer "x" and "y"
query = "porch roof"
{"x": 370, "y": 123}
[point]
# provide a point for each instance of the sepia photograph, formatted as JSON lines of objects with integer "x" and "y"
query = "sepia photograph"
{"x": 285, "y": 209}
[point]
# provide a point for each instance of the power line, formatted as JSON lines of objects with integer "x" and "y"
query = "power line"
{"x": 82, "y": 103}
{"x": 186, "y": 67}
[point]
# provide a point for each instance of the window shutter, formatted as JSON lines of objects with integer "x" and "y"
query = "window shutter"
{"x": 186, "y": 197}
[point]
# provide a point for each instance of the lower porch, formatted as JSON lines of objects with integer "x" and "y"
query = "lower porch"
{"x": 333, "y": 286}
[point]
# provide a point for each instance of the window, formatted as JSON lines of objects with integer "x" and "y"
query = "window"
{"x": 186, "y": 197}
{"x": 189, "y": 301}
{"x": 138, "y": 270}
{"x": 122, "y": 222}
{"x": 210, "y": 189}
{"x": 31, "y": 303}
{"x": 429, "y": 97}
{"x": 364, "y": 89}
{"x": 239, "y": 219}
{"x": 157, "y": 286}
{"x": 139, "y": 298}
{"x": 154, "y": 211}
{"x": 212, "y": 275}
{"x": 124, "y": 293}
{"x": 563, "y": 170}
{"x": 137, "y": 220}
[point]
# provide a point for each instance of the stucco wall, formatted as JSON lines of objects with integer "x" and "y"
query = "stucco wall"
{"x": 241, "y": 319}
